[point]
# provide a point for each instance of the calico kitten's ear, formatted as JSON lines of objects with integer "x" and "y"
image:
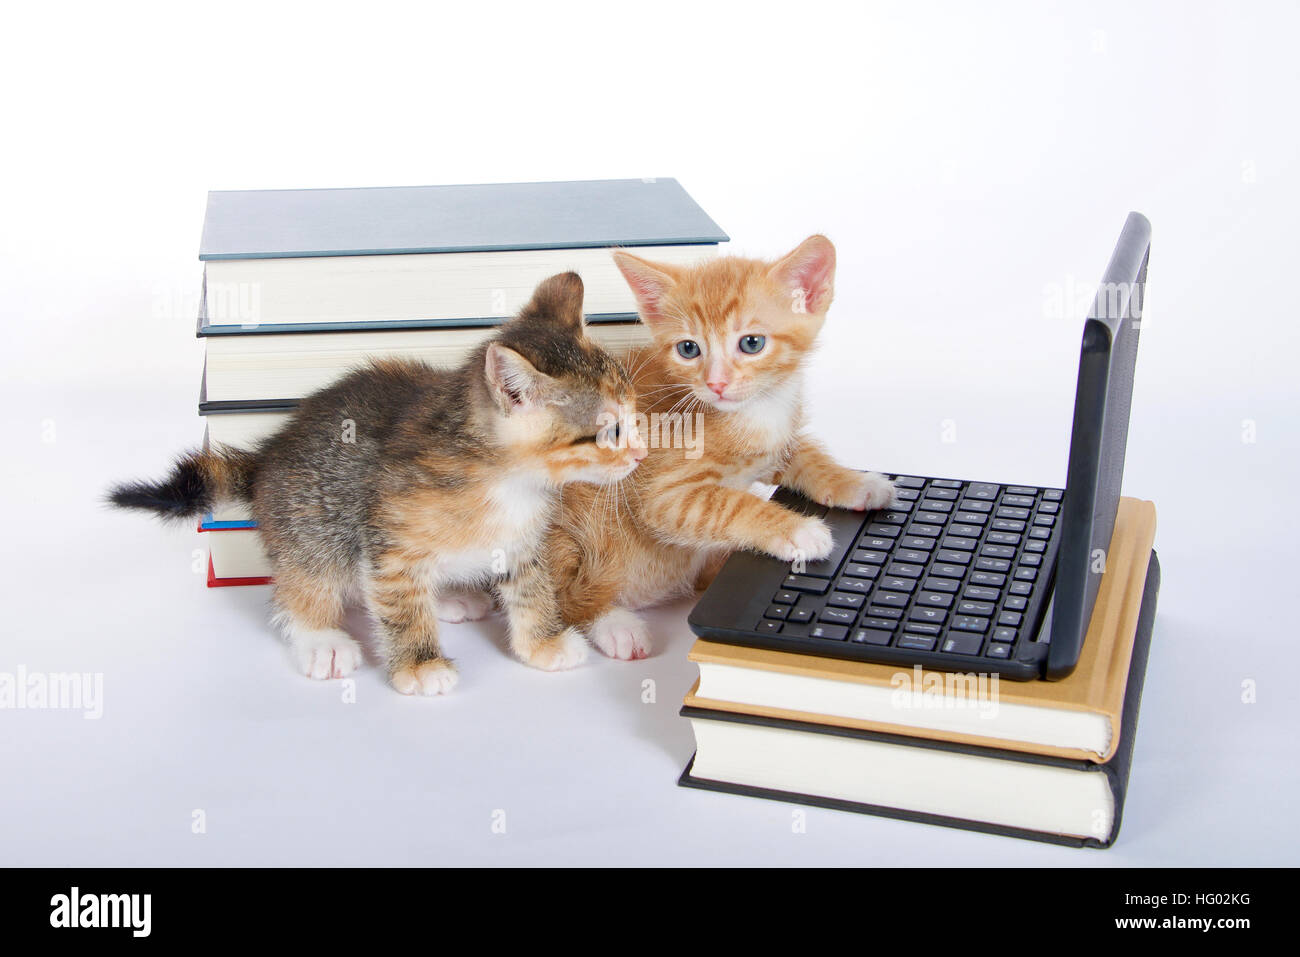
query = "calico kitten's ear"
{"x": 807, "y": 275}
{"x": 649, "y": 282}
{"x": 514, "y": 381}
{"x": 560, "y": 298}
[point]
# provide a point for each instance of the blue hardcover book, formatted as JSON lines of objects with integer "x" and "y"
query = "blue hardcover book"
{"x": 322, "y": 260}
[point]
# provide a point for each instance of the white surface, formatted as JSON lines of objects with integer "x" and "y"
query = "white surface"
{"x": 966, "y": 160}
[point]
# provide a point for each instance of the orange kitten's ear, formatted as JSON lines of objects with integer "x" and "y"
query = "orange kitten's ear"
{"x": 559, "y": 298}
{"x": 649, "y": 282}
{"x": 514, "y": 381}
{"x": 807, "y": 275}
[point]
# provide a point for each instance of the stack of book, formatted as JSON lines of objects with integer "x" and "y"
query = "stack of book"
{"x": 302, "y": 285}
{"x": 1043, "y": 760}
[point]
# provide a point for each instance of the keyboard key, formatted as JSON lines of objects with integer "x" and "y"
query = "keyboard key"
{"x": 962, "y": 644}
{"x": 1041, "y": 533}
{"x": 928, "y": 531}
{"x": 911, "y": 555}
{"x": 872, "y": 636}
{"x": 879, "y": 611}
{"x": 1021, "y": 588}
{"x": 909, "y": 481}
{"x": 1026, "y": 574}
{"x": 842, "y": 599}
{"x": 916, "y": 642}
{"x": 854, "y": 570}
{"x": 935, "y": 518}
{"x": 988, "y": 578}
{"x": 892, "y": 599}
{"x": 838, "y": 616}
{"x": 940, "y": 584}
{"x": 945, "y": 483}
{"x": 970, "y": 531}
{"x": 904, "y": 570}
{"x": 830, "y": 632}
{"x": 975, "y": 505}
{"x": 906, "y": 495}
{"x": 967, "y": 623}
{"x": 768, "y": 627}
{"x": 892, "y": 517}
{"x": 998, "y": 551}
{"x": 799, "y": 615}
{"x": 1003, "y": 538}
{"x": 1015, "y": 603}
{"x": 785, "y": 597}
{"x": 1049, "y": 508}
{"x": 892, "y": 583}
{"x": 879, "y": 624}
{"x": 1035, "y": 545}
{"x": 1007, "y": 525}
{"x": 916, "y": 543}
{"x": 1022, "y": 501}
{"x": 970, "y": 518}
{"x": 922, "y": 628}
{"x": 1031, "y": 560}
{"x": 868, "y": 556}
{"x": 952, "y": 557}
{"x": 1007, "y": 511}
{"x": 934, "y": 599}
{"x": 982, "y": 594}
{"x": 1052, "y": 495}
{"x": 996, "y": 650}
{"x": 884, "y": 531}
{"x": 934, "y": 616}
{"x": 933, "y": 505}
{"x": 948, "y": 570}
{"x": 975, "y": 607}
{"x": 1004, "y": 634}
{"x": 1011, "y": 619}
{"x": 993, "y": 565}
{"x": 777, "y": 611}
{"x": 876, "y": 541}
{"x": 984, "y": 490}
{"x": 1021, "y": 490}
{"x": 944, "y": 494}
{"x": 960, "y": 542}
{"x": 1046, "y": 521}
{"x": 859, "y": 586}
{"x": 817, "y": 586}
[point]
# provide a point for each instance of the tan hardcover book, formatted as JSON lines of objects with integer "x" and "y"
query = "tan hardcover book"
{"x": 1077, "y": 717}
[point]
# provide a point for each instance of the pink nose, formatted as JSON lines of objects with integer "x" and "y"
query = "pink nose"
{"x": 718, "y": 388}
{"x": 639, "y": 452}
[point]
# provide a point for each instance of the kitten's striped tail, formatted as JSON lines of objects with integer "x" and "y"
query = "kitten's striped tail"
{"x": 199, "y": 481}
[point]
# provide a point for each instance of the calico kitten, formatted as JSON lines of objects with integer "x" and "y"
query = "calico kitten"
{"x": 411, "y": 483}
{"x": 730, "y": 338}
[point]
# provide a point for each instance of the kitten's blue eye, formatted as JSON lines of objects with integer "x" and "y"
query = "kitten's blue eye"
{"x": 688, "y": 349}
{"x": 752, "y": 344}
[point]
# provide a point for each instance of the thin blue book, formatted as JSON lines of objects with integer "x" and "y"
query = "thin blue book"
{"x": 320, "y": 260}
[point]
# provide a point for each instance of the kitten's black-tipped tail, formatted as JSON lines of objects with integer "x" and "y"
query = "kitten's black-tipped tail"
{"x": 195, "y": 485}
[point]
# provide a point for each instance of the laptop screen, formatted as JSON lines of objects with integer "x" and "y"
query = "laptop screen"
{"x": 1095, "y": 473}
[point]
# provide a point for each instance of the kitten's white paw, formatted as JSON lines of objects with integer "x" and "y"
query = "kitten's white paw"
{"x": 565, "y": 650}
{"x": 329, "y": 653}
{"x": 469, "y": 606}
{"x": 809, "y": 541}
{"x": 875, "y": 491}
{"x": 621, "y": 634}
{"x": 428, "y": 678}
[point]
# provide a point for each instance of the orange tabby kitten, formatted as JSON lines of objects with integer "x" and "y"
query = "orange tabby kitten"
{"x": 730, "y": 338}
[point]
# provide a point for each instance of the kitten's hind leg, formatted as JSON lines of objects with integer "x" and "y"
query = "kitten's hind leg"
{"x": 405, "y": 612}
{"x": 309, "y": 610}
{"x": 454, "y": 607}
{"x": 537, "y": 636}
{"x": 621, "y": 634}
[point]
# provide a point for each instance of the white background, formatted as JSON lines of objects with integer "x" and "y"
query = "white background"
{"x": 973, "y": 163}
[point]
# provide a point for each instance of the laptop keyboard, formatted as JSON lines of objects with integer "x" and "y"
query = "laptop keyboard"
{"x": 960, "y": 570}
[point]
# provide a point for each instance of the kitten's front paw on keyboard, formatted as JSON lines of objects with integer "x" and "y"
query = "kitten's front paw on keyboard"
{"x": 860, "y": 491}
{"x": 808, "y": 539}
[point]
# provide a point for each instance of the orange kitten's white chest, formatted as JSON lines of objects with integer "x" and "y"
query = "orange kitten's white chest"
{"x": 763, "y": 432}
